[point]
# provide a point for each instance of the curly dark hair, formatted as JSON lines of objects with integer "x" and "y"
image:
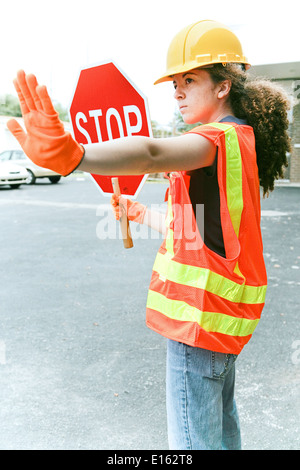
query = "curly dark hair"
{"x": 264, "y": 105}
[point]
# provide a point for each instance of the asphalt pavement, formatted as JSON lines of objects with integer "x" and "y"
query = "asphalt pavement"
{"x": 79, "y": 370}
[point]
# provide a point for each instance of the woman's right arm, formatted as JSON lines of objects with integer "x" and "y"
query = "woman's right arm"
{"x": 47, "y": 143}
{"x": 138, "y": 155}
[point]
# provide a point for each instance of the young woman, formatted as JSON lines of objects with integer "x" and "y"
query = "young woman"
{"x": 208, "y": 286}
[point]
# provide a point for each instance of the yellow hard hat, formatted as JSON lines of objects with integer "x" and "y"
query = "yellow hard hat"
{"x": 200, "y": 44}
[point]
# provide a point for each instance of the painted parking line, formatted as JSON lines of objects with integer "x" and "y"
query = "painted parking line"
{"x": 65, "y": 205}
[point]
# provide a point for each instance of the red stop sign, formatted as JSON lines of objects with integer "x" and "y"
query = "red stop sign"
{"x": 107, "y": 105}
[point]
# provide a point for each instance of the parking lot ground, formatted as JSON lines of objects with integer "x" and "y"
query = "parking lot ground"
{"x": 79, "y": 369}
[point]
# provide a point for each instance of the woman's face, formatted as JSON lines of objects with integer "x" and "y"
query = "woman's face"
{"x": 198, "y": 97}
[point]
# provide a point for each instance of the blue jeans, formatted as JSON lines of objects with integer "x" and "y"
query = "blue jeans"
{"x": 201, "y": 409}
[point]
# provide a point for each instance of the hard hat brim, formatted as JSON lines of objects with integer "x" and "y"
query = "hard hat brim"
{"x": 168, "y": 77}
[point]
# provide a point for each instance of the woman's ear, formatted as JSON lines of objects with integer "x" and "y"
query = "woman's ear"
{"x": 224, "y": 89}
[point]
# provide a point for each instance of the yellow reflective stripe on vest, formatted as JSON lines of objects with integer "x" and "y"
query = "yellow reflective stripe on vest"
{"x": 169, "y": 239}
{"x": 234, "y": 188}
{"x": 209, "y": 321}
{"x": 203, "y": 278}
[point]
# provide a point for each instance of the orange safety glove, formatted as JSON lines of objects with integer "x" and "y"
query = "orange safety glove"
{"x": 135, "y": 211}
{"x": 46, "y": 142}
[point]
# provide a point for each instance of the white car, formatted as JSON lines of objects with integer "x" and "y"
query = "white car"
{"x": 12, "y": 175}
{"x": 34, "y": 171}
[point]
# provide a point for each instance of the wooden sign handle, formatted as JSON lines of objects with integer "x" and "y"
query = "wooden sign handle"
{"x": 124, "y": 222}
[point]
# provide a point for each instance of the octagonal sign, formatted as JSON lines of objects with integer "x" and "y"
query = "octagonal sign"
{"x": 107, "y": 105}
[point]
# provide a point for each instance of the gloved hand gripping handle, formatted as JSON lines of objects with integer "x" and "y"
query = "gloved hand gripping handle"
{"x": 125, "y": 229}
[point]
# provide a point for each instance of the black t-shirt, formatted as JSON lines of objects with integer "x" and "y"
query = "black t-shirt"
{"x": 205, "y": 196}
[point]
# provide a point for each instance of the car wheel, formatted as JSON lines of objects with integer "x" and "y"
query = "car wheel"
{"x": 14, "y": 186}
{"x": 31, "y": 178}
{"x": 54, "y": 179}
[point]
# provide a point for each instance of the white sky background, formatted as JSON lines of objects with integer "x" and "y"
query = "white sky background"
{"x": 54, "y": 39}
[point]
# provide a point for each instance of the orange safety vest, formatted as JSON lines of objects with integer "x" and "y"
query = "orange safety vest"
{"x": 196, "y": 296}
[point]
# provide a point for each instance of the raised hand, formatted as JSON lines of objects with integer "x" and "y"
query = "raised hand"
{"x": 46, "y": 142}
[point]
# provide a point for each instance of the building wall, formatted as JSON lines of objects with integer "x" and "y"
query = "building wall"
{"x": 293, "y": 171}
{"x": 295, "y": 156}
